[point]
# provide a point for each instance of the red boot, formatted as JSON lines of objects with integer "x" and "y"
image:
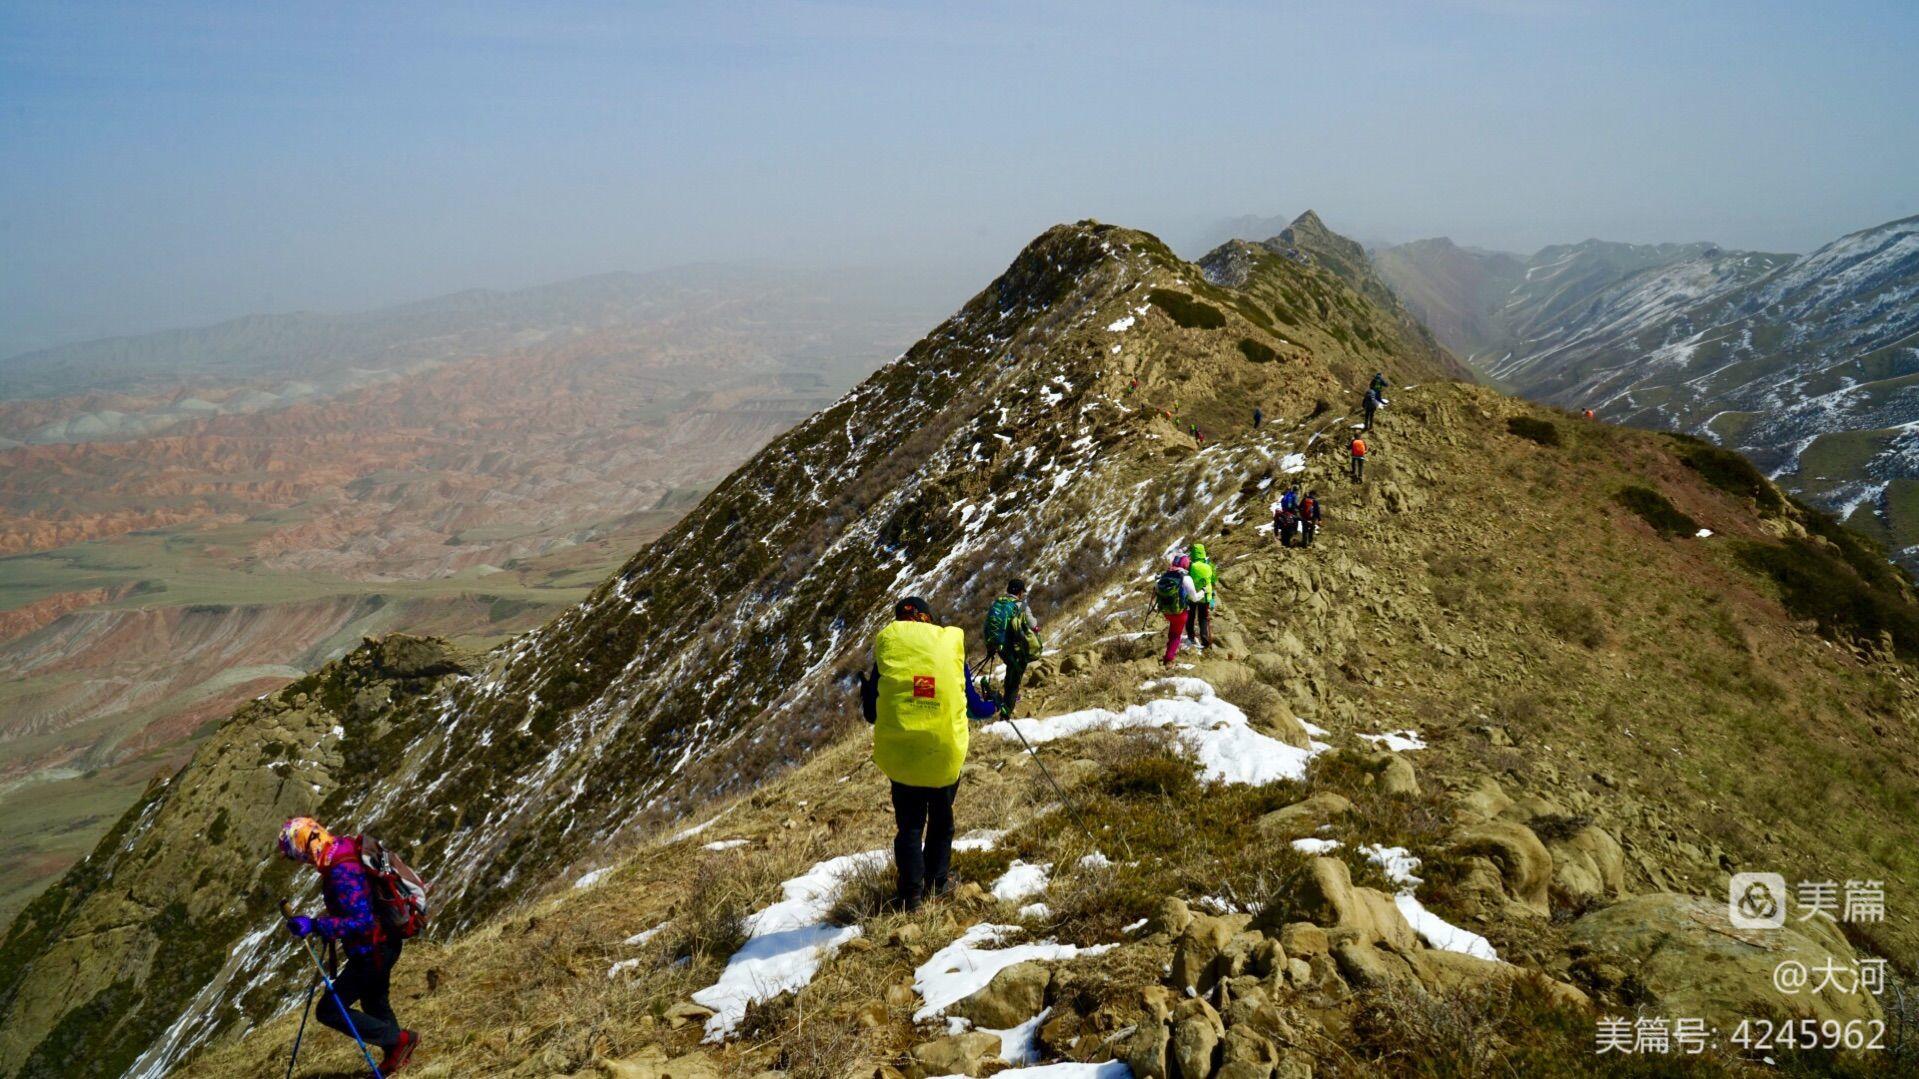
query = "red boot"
{"x": 399, "y": 1053}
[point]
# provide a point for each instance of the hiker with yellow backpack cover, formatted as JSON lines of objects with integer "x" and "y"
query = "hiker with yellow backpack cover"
{"x": 915, "y": 697}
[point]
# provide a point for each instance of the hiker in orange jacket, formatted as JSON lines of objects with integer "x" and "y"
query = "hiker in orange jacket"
{"x": 1359, "y": 459}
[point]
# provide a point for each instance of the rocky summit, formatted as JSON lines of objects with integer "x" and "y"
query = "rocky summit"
{"x": 1450, "y": 792}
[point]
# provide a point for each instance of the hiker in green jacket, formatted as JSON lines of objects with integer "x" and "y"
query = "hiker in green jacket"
{"x": 1199, "y": 625}
{"x": 1012, "y": 637}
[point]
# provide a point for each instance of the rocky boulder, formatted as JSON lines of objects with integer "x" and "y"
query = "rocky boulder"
{"x": 1328, "y": 898}
{"x": 1525, "y": 867}
{"x": 1015, "y": 995}
{"x": 958, "y": 1054}
{"x": 1682, "y": 955}
{"x": 1303, "y": 818}
{"x": 1588, "y": 865}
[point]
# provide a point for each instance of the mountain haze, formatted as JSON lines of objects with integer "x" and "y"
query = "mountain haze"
{"x": 466, "y": 467}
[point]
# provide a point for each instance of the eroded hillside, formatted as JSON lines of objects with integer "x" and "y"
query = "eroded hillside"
{"x": 181, "y": 538}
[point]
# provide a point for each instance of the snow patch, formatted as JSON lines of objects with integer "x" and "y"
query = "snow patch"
{"x": 786, "y": 943}
{"x": 725, "y": 844}
{"x": 1397, "y": 741}
{"x": 1021, "y": 880}
{"x": 1212, "y": 730}
{"x": 595, "y": 877}
{"x": 963, "y": 967}
{"x": 1020, "y": 1044}
{"x": 1400, "y": 865}
{"x": 983, "y": 839}
{"x": 645, "y": 935}
{"x": 1313, "y": 845}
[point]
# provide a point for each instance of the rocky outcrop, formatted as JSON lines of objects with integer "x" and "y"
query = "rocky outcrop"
{"x": 1682, "y": 956}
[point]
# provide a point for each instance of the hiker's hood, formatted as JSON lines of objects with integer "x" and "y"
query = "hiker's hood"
{"x": 1198, "y": 551}
{"x": 304, "y": 839}
{"x": 1181, "y": 562}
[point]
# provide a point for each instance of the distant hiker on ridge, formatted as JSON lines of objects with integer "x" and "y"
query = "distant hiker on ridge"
{"x": 1359, "y": 459}
{"x": 1012, "y": 636}
{"x": 346, "y": 886}
{"x": 915, "y": 698}
{"x": 1259, "y": 417}
{"x": 1309, "y": 518}
{"x": 1199, "y": 621}
{"x": 1285, "y": 524}
{"x": 1373, "y": 403}
{"x": 1379, "y": 384}
{"x": 1173, "y": 596}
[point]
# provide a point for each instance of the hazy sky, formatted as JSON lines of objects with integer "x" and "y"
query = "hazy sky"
{"x": 169, "y": 164}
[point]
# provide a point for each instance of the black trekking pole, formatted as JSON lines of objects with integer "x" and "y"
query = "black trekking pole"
{"x": 301, "y": 1033}
{"x": 286, "y": 908}
{"x": 1072, "y": 811}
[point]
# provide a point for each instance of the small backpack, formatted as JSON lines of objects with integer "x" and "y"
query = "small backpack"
{"x": 1168, "y": 596}
{"x": 1028, "y": 643}
{"x": 399, "y": 894}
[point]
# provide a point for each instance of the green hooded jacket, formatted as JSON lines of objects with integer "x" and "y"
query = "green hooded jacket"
{"x": 1205, "y": 578}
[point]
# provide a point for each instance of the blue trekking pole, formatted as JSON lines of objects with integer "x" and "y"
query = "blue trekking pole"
{"x": 286, "y": 908}
{"x": 301, "y": 1033}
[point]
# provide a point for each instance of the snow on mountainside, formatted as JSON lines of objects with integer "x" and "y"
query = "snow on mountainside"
{"x": 1806, "y": 365}
{"x": 1016, "y": 433}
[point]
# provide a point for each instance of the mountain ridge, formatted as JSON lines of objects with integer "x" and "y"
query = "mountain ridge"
{"x": 1795, "y": 361}
{"x": 1075, "y": 421}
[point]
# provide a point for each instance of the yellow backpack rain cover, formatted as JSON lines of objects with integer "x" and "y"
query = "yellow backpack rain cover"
{"x": 919, "y": 737}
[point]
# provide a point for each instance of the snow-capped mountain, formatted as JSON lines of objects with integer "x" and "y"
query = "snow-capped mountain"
{"x": 1804, "y": 364}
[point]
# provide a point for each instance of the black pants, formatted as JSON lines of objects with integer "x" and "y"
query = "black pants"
{"x": 1369, "y": 419}
{"x": 1307, "y": 532}
{"x": 365, "y": 980}
{"x": 923, "y": 846}
{"x": 1009, "y": 692}
{"x": 1199, "y": 624}
{"x": 1359, "y": 469}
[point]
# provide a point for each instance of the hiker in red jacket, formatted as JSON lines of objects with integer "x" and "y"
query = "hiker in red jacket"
{"x": 1309, "y": 518}
{"x": 350, "y": 922}
{"x": 1173, "y": 596}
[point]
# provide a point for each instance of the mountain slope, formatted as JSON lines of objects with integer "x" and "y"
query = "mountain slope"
{"x": 1041, "y": 430}
{"x": 1569, "y": 762}
{"x": 1805, "y": 366}
{"x": 711, "y": 658}
{"x": 1485, "y": 304}
{"x": 1461, "y": 293}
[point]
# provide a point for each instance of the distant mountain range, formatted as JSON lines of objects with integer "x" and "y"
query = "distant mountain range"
{"x": 1807, "y": 364}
